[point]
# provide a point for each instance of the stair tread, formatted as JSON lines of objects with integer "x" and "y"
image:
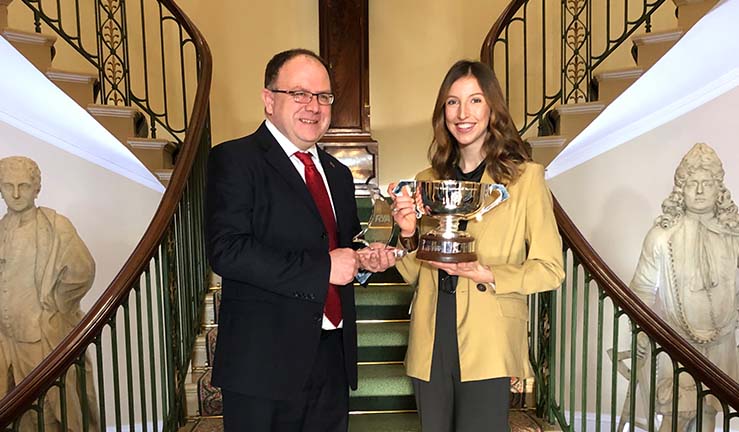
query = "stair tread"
{"x": 394, "y": 422}
{"x": 113, "y": 110}
{"x": 580, "y": 108}
{"x": 382, "y": 334}
{"x": 71, "y": 76}
{"x": 382, "y": 295}
{"x": 623, "y": 73}
{"x": 28, "y": 37}
{"x": 547, "y": 141}
{"x": 150, "y": 143}
{"x": 658, "y": 37}
{"x": 383, "y": 380}
{"x": 164, "y": 174}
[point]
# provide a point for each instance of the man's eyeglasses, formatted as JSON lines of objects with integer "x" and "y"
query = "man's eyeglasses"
{"x": 304, "y": 97}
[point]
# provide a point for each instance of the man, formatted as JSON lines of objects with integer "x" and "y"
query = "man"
{"x": 687, "y": 273}
{"x": 281, "y": 215}
{"x": 45, "y": 270}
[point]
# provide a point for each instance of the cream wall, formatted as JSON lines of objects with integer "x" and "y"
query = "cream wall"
{"x": 243, "y": 36}
{"x": 408, "y": 59}
{"x": 412, "y": 45}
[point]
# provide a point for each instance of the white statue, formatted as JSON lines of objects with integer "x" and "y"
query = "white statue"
{"x": 45, "y": 270}
{"x": 687, "y": 272}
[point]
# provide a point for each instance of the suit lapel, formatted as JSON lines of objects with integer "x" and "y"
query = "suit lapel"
{"x": 276, "y": 157}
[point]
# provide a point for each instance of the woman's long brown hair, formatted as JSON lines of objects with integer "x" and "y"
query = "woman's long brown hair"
{"x": 504, "y": 150}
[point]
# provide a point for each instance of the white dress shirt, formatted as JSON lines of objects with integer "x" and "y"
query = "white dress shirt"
{"x": 290, "y": 149}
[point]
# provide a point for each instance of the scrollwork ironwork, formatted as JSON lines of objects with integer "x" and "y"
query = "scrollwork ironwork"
{"x": 112, "y": 41}
{"x": 575, "y": 49}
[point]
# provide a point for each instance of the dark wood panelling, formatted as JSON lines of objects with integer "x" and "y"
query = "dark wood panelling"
{"x": 344, "y": 44}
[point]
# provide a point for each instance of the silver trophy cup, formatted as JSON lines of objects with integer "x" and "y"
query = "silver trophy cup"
{"x": 450, "y": 201}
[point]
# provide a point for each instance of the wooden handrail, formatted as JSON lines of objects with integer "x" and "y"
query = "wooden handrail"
{"x": 17, "y": 401}
{"x": 717, "y": 381}
{"x": 486, "y": 52}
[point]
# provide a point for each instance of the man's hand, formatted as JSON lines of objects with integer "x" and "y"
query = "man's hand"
{"x": 376, "y": 258}
{"x": 344, "y": 266}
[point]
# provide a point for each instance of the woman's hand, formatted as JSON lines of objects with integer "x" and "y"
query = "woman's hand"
{"x": 472, "y": 270}
{"x": 404, "y": 210}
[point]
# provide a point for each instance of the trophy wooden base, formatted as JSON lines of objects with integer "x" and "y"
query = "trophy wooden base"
{"x": 434, "y": 247}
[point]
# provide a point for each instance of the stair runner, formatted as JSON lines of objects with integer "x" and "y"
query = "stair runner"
{"x": 384, "y": 400}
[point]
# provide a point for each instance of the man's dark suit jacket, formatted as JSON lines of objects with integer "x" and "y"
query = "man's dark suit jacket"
{"x": 266, "y": 239}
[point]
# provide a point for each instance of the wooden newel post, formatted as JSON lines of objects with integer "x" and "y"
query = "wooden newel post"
{"x": 344, "y": 44}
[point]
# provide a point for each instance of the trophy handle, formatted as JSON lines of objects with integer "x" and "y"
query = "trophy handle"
{"x": 412, "y": 184}
{"x": 502, "y": 196}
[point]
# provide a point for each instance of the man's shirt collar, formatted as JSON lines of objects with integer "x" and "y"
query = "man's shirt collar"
{"x": 287, "y": 146}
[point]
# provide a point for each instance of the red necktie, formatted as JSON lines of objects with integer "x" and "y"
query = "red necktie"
{"x": 317, "y": 189}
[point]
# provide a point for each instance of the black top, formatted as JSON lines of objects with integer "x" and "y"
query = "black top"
{"x": 475, "y": 175}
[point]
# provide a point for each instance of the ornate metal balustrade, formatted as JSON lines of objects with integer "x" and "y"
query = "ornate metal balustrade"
{"x": 587, "y": 356}
{"x": 132, "y": 350}
{"x": 140, "y": 50}
{"x": 545, "y": 53}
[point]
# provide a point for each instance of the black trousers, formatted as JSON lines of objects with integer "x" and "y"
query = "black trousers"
{"x": 445, "y": 404}
{"x": 322, "y": 406}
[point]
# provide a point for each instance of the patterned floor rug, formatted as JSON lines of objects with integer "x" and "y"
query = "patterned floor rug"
{"x": 520, "y": 421}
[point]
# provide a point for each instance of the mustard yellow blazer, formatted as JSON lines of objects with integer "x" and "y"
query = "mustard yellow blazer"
{"x": 520, "y": 242}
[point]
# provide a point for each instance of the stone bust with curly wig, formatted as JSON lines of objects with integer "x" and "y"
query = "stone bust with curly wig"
{"x": 700, "y": 158}
{"x": 687, "y": 272}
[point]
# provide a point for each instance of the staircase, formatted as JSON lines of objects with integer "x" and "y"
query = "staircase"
{"x": 125, "y": 122}
{"x": 567, "y": 120}
{"x": 169, "y": 266}
{"x": 139, "y": 333}
{"x": 384, "y": 399}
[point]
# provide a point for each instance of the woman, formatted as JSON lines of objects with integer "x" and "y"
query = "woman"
{"x": 468, "y": 332}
